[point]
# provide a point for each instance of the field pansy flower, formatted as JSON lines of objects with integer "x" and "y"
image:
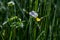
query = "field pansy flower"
{"x": 35, "y": 15}
{"x": 11, "y": 3}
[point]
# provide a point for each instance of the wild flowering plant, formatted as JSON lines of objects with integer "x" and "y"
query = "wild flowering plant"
{"x": 11, "y": 3}
{"x": 35, "y": 15}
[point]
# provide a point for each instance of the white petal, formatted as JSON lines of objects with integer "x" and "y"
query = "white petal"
{"x": 11, "y": 2}
{"x": 33, "y": 13}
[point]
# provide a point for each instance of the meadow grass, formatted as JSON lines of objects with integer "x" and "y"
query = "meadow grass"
{"x": 17, "y": 24}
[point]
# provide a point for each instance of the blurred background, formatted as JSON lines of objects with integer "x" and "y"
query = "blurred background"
{"x": 17, "y": 24}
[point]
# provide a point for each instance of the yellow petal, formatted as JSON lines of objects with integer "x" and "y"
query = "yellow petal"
{"x": 38, "y": 19}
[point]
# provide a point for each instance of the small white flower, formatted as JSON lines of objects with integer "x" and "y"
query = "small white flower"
{"x": 11, "y": 3}
{"x": 33, "y": 14}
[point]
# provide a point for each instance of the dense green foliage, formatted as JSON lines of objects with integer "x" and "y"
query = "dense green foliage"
{"x": 17, "y": 24}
